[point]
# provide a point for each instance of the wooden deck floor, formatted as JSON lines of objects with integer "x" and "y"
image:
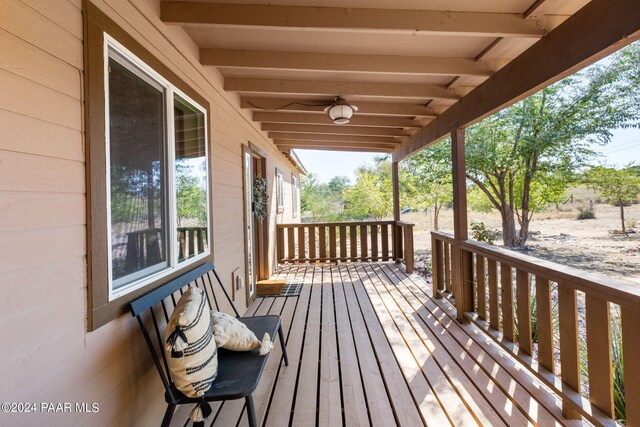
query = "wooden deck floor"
{"x": 369, "y": 346}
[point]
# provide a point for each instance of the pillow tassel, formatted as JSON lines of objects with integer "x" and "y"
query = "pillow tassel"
{"x": 266, "y": 345}
{"x": 200, "y": 413}
{"x": 177, "y": 342}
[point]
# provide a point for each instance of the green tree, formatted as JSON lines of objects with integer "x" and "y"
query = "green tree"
{"x": 618, "y": 187}
{"x": 524, "y": 157}
{"x": 191, "y": 200}
{"x": 371, "y": 196}
{"x": 428, "y": 176}
{"x": 323, "y": 202}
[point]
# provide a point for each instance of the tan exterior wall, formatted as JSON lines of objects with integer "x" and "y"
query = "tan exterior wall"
{"x": 48, "y": 355}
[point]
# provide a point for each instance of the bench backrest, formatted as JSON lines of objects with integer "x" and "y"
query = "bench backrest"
{"x": 153, "y": 310}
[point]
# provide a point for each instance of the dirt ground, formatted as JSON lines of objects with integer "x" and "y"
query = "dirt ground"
{"x": 556, "y": 235}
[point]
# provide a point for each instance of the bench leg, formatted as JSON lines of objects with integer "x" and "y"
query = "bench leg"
{"x": 284, "y": 345}
{"x": 166, "y": 421}
{"x": 251, "y": 412}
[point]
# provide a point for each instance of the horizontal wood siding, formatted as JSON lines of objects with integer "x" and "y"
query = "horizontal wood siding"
{"x": 43, "y": 224}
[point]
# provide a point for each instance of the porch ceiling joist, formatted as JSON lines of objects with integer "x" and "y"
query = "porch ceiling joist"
{"x": 333, "y": 130}
{"x": 319, "y": 145}
{"x": 413, "y": 21}
{"x": 300, "y": 144}
{"x": 312, "y": 61}
{"x": 598, "y": 29}
{"x": 327, "y": 88}
{"x": 364, "y": 108}
{"x": 300, "y": 118}
{"x": 292, "y": 136}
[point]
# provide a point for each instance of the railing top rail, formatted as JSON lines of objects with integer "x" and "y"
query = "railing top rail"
{"x": 334, "y": 224}
{"x": 606, "y": 288}
{"x": 441, "y": 235}
{"x": 404, "y": 224}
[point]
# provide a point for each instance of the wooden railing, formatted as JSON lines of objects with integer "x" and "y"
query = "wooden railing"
{"x": 192, "y": 241}
{"x": 573, "y": 313}
{"x": 346, "y": 242}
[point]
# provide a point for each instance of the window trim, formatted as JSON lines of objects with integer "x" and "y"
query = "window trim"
{"x": 279, "y": 190}
{"x": 294, "y": 195}
{"x": 149, "y": 75}
{"x": 100, "y": 309}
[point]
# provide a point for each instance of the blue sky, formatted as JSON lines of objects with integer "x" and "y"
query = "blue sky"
{"x": 623, "y": 149}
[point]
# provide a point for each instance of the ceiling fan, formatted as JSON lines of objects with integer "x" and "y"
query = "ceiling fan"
{"x": 339, "y": 110}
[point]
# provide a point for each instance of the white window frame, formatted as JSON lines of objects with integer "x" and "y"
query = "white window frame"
{"x": 294, "y": 194}
{"x": 279, "y": 190}
{"x": 145, "y": 72}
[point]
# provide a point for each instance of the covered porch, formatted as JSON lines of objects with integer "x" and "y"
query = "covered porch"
{"x": 368, "y": 344}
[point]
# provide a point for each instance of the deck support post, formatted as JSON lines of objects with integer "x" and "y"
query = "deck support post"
{"x": 462, "y": 265}
{"x": 397, "y": 236}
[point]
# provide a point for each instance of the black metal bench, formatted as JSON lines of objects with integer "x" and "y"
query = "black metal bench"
{"x": 238, "y": 372}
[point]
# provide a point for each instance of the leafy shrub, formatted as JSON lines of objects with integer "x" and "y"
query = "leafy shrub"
{"x": 481, "y": 233}
{"x": 586, "y": 212}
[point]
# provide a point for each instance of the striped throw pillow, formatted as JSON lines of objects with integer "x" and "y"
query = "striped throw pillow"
{"x": 190, "y": 347}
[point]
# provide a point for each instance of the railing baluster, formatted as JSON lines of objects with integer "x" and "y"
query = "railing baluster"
{"x": 466, "y": 280}
{"x": 408, "y": 247}
{"x": 569, "y": 354}
{"x": 291, "y": 253}
{"x": 301, "y": 244}
{"x": 494, "y": 306}
{"x": 437, "y": 266}
{"x": 353, "y": 242}
{"x": 312, "y": 243}
{"x": 447, "y": 267}
{"x": 280, "y": 243}
{"x": 481, "y": 287}
{"x": 201, "y": 236}
{"x": 599, "y": 353}
{"x": 332, "y": 242}
{"x": 506, "y": 282}
{"x": 322, "y": 242}
{"x": 631, "y": 351}
{"x": 523, "y": 295}
{"x": 374, "y": 242}
{"x": 344, "y": 256}
{"x": 544, "y": 324}
{"x": 192, "y": 246}
{"x": 364, "y": 250}
{"x": 384, "y": 232}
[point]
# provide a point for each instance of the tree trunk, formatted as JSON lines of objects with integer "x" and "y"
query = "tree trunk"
{"x": 624, "y": 231}
{"x": 524, "y": 230}
{"x": 509, "y": 236}
{"x": 436, "y": 216}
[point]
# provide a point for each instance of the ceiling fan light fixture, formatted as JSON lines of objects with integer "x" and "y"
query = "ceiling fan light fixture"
{"x": 340, "y": 111}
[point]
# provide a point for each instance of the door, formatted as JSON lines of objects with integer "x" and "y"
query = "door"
{"x": 250, "y": 249}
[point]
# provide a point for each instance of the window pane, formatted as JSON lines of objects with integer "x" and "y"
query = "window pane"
{"x": 137, "y": 169}
{"x": 280, "y": 191}
{"x": 191, "y": 179}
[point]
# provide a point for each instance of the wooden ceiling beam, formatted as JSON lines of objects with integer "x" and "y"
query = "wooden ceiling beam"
{"x": 364, "y": 108}
{"x": 335, "y": 147}
{"x": 312, "y": 61}
{"x": 598, "y": 29}
{"x": 333, "y": 130}
{"x": 306, "y": 143}
{"x": 325, "y": 88}
{"x": 293, "y": 136}
{"x": 481, "y": 24}
{"x": 317, "y": 119}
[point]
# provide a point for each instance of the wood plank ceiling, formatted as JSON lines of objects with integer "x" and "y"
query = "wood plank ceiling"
{"x": 402, "y": 63}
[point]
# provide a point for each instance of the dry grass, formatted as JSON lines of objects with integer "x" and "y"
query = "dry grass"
{"x": 558, "y": 236}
